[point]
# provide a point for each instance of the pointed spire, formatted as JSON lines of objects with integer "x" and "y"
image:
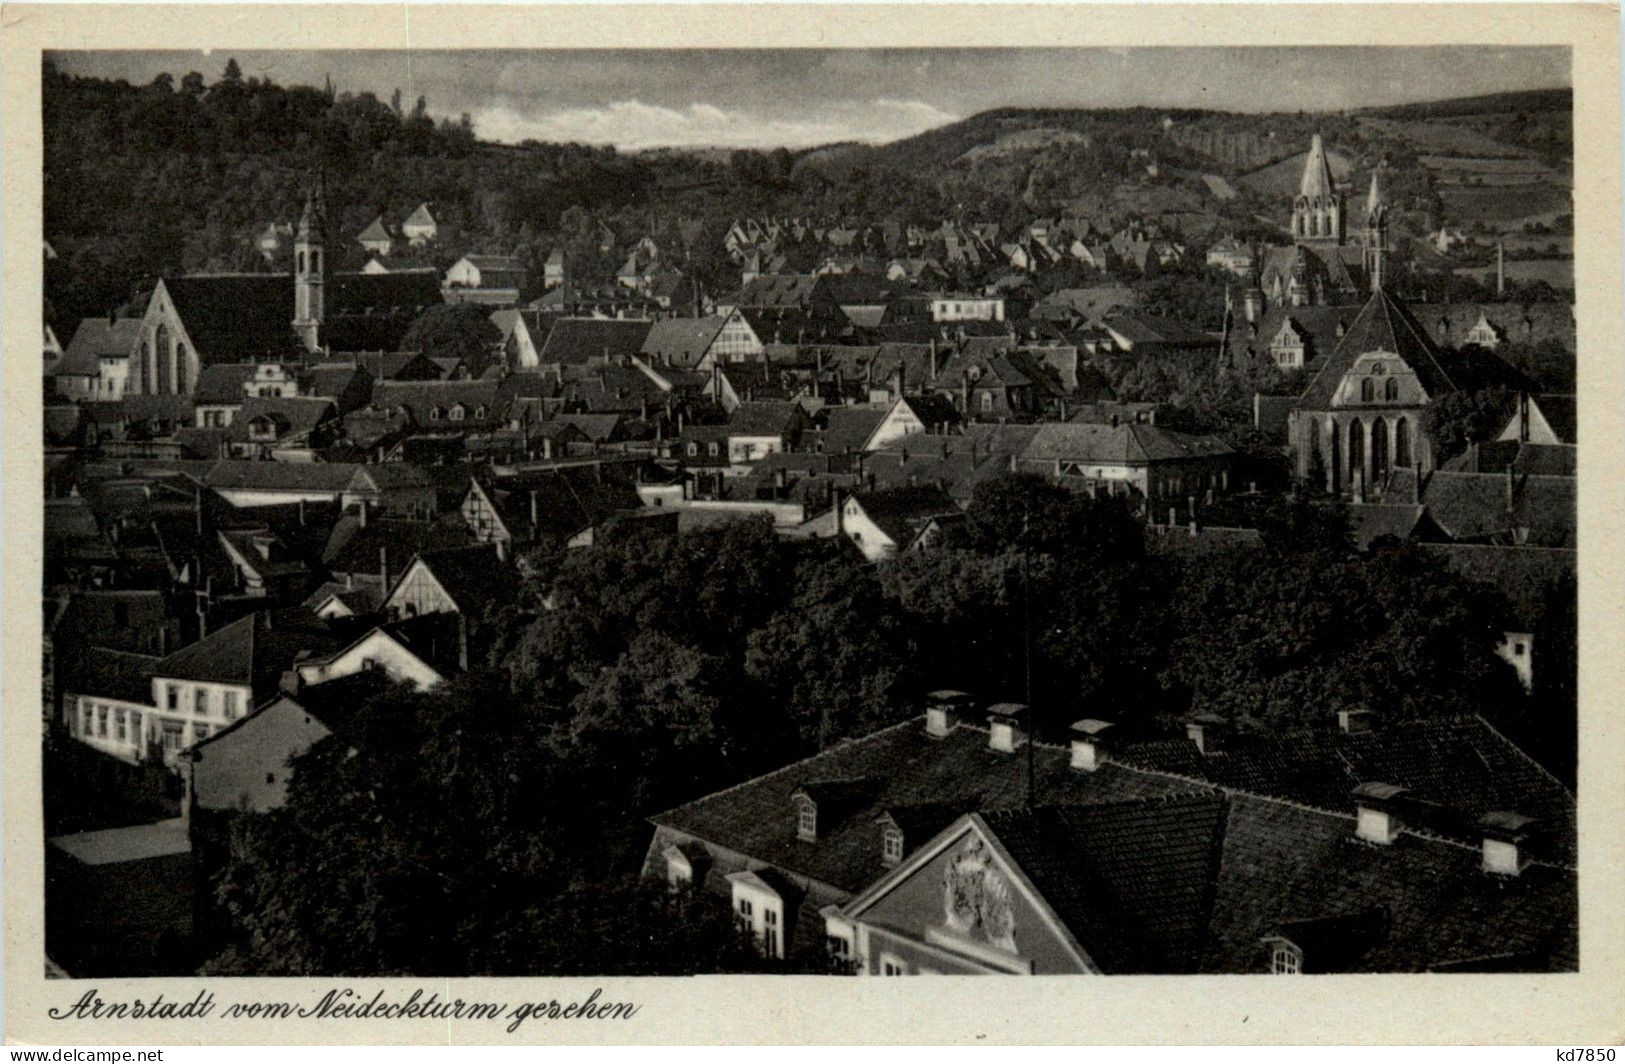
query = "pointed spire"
{"x": 1317, "y": 175}
{"x": 1374, "y": 199}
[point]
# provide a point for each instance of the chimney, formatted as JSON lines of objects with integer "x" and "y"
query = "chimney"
{"x": 291, "y": 683}
{"x": 1088, "y": 743}
{"x": 462, "y": 643}
{"x": 1500, "y": 269}
{"x": 383, "y": 571}
{"x": 939, "y": 711}
{"x": 363, "y": 516}
{"x": 1004, "y": 732}
{"x": 535, "y": 511}
{"x": 301, "y": 513}
{"x": 1376, "y": 817}
{"x": 837, "y": 506}
{"x": 1506, "y": 841}
{"x": 1204, "y": 730}
{"x": 1249, "y": 305}
{"x": 1354, "y": 721}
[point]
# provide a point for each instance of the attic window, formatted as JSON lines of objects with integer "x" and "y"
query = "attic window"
{"x": 456, "y": 412}
{"x": 892, "y": 846}
{"x": 479, "y": 412}
{"x": 806, "y": 819}
{"x": 1286, "y": 959}
{"x": 434, "y": 413}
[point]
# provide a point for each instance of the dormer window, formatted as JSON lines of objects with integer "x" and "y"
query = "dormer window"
{"x": 435, "y": 413}
{"x": 1286, "y": 959}
{"x": 479, "y": 412}
{"x": 891, "y": 846}
{"x": 457, "y": 412}
{"x": 1368, "y": 390}
{"x": 806, "y": 819}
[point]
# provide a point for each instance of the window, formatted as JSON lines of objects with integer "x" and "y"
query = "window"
{"x": 229, "y": 704}
{"x": 457, "y": 412}
{"x": 693, "y": 449}
{"x": 101, "y": 721}
{"x": 122, "y": 728}
{"x": 892, "y": 846}
{"x": 1517, "y": 650}
{"x": 1286, "y": 959}
{"x": 174, "y": 733}
{"x": 839, "y": 947}
{"x": 88, "y": 727}
{"x": 770, "y": 933}
{"x": 200, "y": 731}
{"x": 806, "y": 819}
{"x": 1390, "y": 389}
{"x": 987, "y": 402}
{"x": 173, "y": 696}
{"x": 434, "y": 413}
{"x": 714, "y": 449}
{"x": 1368, "y": 390}
{"x": 270, "y": 777}
{"x": 200, "y": 701}
{"x": 135, "y": 724}
{"x": 890, "y": 965}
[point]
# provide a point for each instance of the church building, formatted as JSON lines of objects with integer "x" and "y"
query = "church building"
{"x": 1322, "y": 266}
{"x": 199, "y": 320}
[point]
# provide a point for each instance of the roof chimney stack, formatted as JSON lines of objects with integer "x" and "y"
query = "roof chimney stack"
{"x": 939, "y": 711}
{"x": 1005, "y": 721}
{"x": 1203, "y": 730}
{"x": 1088, "y": 743}
{"x": 1506, "y": 842}
{"x": 1376, "y": 818}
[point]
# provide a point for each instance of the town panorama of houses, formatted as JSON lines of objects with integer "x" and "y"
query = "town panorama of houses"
{"x": 255, "y": 499}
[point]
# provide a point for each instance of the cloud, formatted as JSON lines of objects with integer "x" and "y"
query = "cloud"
{"x": 632, "y": 124}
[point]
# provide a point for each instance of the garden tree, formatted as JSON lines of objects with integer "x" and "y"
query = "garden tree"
{"x": 1305, "y": 522}
{"x": 1277, "y": 639}
{"x": 1029, "y": 512}
{"x": 836, "y": 658}
{"x": 455, "y": 330}
{"x": 1456, "y": 419}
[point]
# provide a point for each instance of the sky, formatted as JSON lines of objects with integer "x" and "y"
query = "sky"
{"x": 763, "y": 98}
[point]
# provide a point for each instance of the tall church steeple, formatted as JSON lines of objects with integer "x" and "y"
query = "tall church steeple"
{"x": 309, "y": 271}
{"x": 1376, "y": 231}
{"x": 1318, "y": 212}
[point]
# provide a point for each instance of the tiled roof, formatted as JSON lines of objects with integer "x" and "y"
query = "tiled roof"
{"x": 758, "y": 819}
{"x": 1383, "y": 324}
{"x": 574, "y": 341}
{"x": 96, "y": 339}
{"x": 1132, "y": 880}
{"x": 473, "y": 576}
{"x": 424, "y": 398}
{"x": 1284, "y": 863}
{"x": 1559, "y": 412}
{"x": 899, "y": 511}
{"x": 354, "y": 549}
{"x": 1127, "y": 443}
{"x": 767, "y": 418}
{"x": 1461, "y": 765}
{"x": 113, "y": 674}
{"x": 254, "y": 650}
{"x": 222, "y": 384}
{"x": 236, "y": 317}
{"x": 681, "y": 341}
{"x": 294, "y": 415}
{"x": 280, "y": 476}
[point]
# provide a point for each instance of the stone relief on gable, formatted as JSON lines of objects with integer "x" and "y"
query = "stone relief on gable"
{"x": 976, "y": 897}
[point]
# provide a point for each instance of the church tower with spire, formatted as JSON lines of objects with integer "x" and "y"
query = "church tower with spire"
{"x": 1318, "y": 214}
{"x": 1376, "y": 232}
{"x": 309, "y": 271}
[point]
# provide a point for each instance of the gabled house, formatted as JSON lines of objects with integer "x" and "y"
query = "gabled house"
{"x": 760, "y": 428}
{"x": 883, "y": 524}
{"x": 376, "y": 238}
{"x": 490, "y": 279}
{"x": 420, "y": 226}
{"x": 461, "y": 580}
{"x": 263, "y": 427}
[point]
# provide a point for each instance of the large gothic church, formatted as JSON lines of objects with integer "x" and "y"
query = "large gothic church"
{"x": 198, "y": 320}
{"x": 1321, "y": 267}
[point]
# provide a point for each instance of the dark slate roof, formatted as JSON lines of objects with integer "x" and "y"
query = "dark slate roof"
{"x": 354, "y": 549}
{"x": 1383, "y": 324}
{"x": 900, "y": 511}
{"x": 222, "y": 384}
{"x": 768, "y": 418}
{"x": 280, "y": 476}
{"x": 681, "y": 341}
{"x": 113, "y": 674}
{"x": 1463, "y": 766}
{"x": 574, "y": 341}
{"x": 422, "y": 398}
{"x": 1488, "y": 507}
{"x": 294, "y": 415}
{"x": 237, "y": 317}
{"x": 1284, "y": 863}
{"x": 780, "y": 290}
{"x": 473, "y": 576}
{"x": 1127, "y": 443}
{"x": 96, "y": 339}
{"x": 1131, "y": 879}
{"x": 254, "y": 650}
{"x": 758, "y": 819}
{"x": 849, "y": 427}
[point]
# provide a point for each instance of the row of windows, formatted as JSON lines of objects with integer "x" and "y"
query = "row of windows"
{"x": 456, "y": 413}
{"x": 114, "y": 722}
{"x": 229, "y": 701}
{"x": 1368, "y": 390}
